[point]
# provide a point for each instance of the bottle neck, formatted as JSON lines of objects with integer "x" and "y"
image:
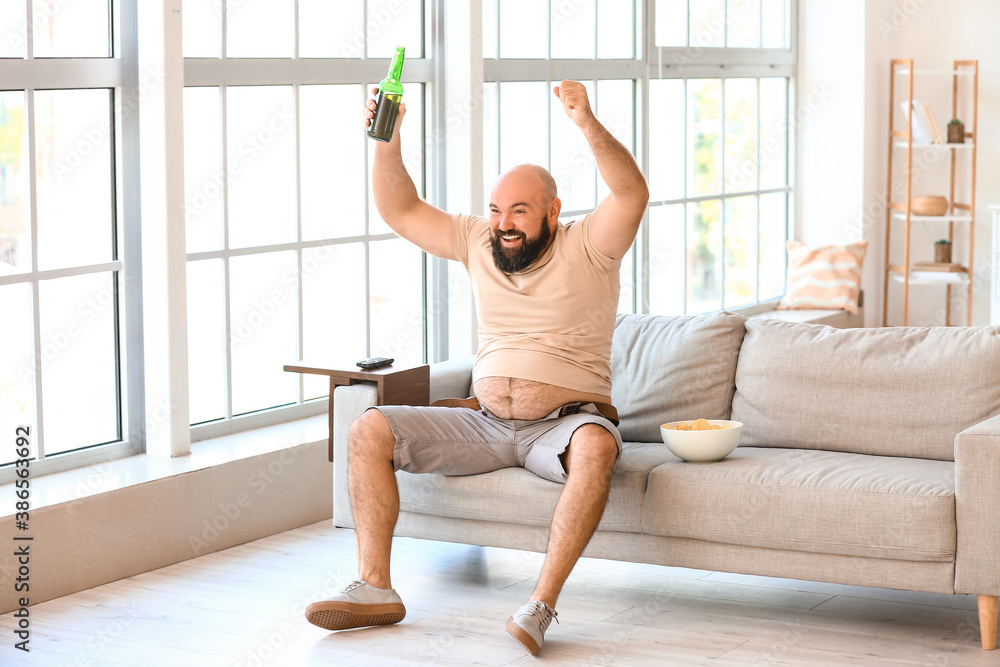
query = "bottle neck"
{"x": 396, "y": 68}
{"x": 391, "y": 82}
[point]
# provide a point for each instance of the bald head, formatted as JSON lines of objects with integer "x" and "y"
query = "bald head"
{"x": 530, "y": 182}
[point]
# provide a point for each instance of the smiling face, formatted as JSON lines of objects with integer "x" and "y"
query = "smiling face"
{"x": 523, "y": 214}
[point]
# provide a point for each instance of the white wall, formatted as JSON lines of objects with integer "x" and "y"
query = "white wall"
{"x": 845, "y": 48}
{"x": 873, "y": 171}
{"x": 830, "y": 121}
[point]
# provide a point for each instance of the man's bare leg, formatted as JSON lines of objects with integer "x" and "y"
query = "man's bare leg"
{"x": 590, "y": 459}
{"x": 375, "y": 502}
{"x": 374, "y": 495}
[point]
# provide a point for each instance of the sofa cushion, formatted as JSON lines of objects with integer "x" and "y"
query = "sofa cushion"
{"x": 805, "y": 500}
{"x": 514, "y": 495}
{"x": 900, "y": 391}
{"x": 670, "y": 368}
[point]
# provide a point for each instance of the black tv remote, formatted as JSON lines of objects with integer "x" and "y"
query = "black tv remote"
{"x": 375, "y": 362}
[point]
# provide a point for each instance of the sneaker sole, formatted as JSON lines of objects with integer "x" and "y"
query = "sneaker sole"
{"x": 345, "y": 615}
{"x": 522, "y": 637}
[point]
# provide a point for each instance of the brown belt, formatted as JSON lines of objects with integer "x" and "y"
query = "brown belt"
{"x": 607, "y": 410}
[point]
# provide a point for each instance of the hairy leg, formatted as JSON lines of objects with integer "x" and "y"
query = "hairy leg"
{"x": 374, "y": 495}
{"x": 589, "y": 460}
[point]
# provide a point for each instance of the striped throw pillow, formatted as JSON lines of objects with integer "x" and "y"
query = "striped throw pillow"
{"x": 824, "y": 277}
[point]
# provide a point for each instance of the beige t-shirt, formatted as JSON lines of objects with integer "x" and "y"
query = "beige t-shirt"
{"x": 550, "y": 323}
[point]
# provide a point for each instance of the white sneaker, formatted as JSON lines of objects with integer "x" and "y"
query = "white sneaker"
{"x": 357, "y": 606}
{"x": 529, "y": 623}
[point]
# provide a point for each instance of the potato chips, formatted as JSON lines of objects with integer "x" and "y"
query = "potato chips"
{"x": 698, "y": 425}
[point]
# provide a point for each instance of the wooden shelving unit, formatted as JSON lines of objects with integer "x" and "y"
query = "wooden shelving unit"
{"x": 964, "y": 105}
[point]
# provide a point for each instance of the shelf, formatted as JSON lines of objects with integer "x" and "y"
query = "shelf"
{"x": 931, "y": 218}
{"x": 947, "y": 278}
{"x": 903, "y": 107}
{"x": 904, "y": 144}
{"x": 948, "y": 72}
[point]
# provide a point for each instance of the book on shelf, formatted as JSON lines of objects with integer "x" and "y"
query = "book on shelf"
{"x": 918, "y": 126}
{"x": 948, "y": 267}
{"x": 932, "y": 123}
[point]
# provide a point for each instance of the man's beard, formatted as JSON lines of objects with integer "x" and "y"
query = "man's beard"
{"x": 512, "y": 261}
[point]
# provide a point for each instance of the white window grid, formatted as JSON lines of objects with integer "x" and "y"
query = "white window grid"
{"x": 224, "y": 72}
{"x": 118, "y": 75}
{"x": 656, "y": 62}
{"x": 698, "y": 62}
{"x": 722, "y": 197}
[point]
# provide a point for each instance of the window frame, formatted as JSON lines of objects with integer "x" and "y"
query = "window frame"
{"x": 498, "y": 70}
{"x": 696, "y": 62}
{"x": 224, "y": 72}
{"x": 653, "y": 62}
{"x": 118, "y": 74}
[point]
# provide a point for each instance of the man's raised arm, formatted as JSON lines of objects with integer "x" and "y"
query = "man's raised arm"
{"x": 616, "y": 220}
{"x": 397, "y": 200}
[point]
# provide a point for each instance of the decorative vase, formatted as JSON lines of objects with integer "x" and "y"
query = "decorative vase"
{"x": 956, "y": 133}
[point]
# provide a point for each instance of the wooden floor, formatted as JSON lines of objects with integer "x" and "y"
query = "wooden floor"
{"x": 244, "y": 606}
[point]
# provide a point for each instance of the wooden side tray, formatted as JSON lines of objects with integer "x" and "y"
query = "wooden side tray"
{"x": 395, "y": 385}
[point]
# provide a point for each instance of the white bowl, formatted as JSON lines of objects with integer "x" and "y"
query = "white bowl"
{"x": 702, "y": 446}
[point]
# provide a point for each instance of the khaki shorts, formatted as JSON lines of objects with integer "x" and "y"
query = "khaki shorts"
{"x": 462, "y": 441}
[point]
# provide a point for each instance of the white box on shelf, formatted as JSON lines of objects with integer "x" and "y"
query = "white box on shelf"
{"x": 937, "y": 276}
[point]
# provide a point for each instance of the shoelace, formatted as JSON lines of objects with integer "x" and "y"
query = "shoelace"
{"x": 354, "y": 584}
{"x": 543, "y": 613}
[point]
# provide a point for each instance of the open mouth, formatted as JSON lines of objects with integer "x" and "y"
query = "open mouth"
{"x": 511, "y": 238}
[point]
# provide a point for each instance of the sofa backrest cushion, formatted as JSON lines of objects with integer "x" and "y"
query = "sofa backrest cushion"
{"x": 670, "y": 368}
{"x": 898, "y": 391}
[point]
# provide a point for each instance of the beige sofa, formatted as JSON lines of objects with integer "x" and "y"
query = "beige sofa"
{"x": 869, "y": 457}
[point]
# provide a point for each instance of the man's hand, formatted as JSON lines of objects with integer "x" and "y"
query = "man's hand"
{"x": 397, "y": 200}
{"x": 370, "y": 112}
{"x": 616, "y": 219}
{"x": 573, "y": 96}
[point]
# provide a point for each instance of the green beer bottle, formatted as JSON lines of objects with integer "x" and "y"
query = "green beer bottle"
{"x": 390, "y": 93}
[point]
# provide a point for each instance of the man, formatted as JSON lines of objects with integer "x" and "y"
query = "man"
{"x": 546, "y": 297}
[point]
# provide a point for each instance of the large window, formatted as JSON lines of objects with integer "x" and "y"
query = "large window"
{"x": 715, "y": 149}
{"x": 718, "y": 173}
{"x": 287, "y": 256}
{"x": 63, "y": 257}
{"x": 718, "y": 158}
{"x": 592, "y": 41}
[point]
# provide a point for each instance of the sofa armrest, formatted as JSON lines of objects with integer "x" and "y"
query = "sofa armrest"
{"x": 977, "y": 496}
{"x": 349, "y": 403}
{"x": 448, "y": 379}
{"x": 452, "y": 378}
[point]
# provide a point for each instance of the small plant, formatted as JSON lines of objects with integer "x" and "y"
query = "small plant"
{"x": 942, "y": 251}
{"x": 956, "y": 131}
